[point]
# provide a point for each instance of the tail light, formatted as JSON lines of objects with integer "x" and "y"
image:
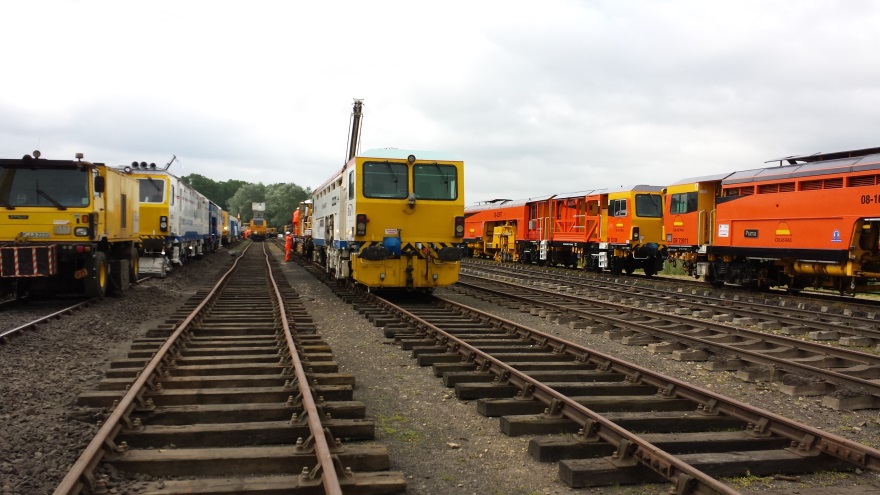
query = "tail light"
{"x": 635, "y": 236}
{"x": 361, "y": 224}
{"x": 459, "y": 226}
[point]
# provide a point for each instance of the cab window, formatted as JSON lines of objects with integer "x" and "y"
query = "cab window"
{"x": 151, "y": 190}
{"x": 50, "y": 187}
{"x": 435, "y": 181}
{"x": 617, "y": 208}
{"x": 649, "y": 205}
{"x": 683, "y": 203}
{"x": 385, "y": 180}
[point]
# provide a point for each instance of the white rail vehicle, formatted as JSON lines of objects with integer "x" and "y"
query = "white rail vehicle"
{"x": 174, "y": 222}
{"x": 332, "y": 212}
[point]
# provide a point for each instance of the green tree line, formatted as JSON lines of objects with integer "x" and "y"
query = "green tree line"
{"x": 237, "y": 196}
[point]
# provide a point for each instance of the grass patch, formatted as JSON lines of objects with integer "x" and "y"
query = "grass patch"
{"x": 750, "y": 481}
{"x": 398, "y": 426}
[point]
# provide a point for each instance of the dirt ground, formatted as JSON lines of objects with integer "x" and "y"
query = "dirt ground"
{"x": 440, "y": 443}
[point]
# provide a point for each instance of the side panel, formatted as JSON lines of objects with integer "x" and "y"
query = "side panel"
{"x": 326, "y": 200}
{"x": 189, "y": 212}
{"x": 121, "y": 207}
{"x": 813, "y": 220}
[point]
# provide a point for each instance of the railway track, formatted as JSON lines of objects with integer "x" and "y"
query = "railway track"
{"x": 28, "y": 314}
{"x": 815, "y": 301}
{"x": 538, "y": 384}
{"x": 847, "y": 378}
{"x": 20, "y": 318}
{"x": 236, "y": 393}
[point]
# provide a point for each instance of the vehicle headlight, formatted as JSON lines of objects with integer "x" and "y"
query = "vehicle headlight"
{"x": 81, "y": 231}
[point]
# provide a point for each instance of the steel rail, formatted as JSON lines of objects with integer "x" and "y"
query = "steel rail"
{"x": 751, "y": 356}
{"x": 763, "y": 421}
{"x": 766, "y": 312}
{"x": 79, "y": 474}
{"x": 322, "y": 449}
{"x": 6, "y": 333}
{"x": 810, "y": 295}
{"x": 687, "y": 478}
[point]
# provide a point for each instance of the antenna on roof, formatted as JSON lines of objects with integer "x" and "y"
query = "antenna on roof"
{"x": 173, "y": 157}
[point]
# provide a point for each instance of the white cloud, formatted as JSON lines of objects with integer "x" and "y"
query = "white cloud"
{"x": 538, "y": 98}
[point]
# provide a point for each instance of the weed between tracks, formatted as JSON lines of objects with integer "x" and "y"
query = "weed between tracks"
{"x": 397, "y": 426}
{"x": 750, "y": 481}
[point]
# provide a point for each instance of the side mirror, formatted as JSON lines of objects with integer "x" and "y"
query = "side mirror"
{"x": 99, "y": 184}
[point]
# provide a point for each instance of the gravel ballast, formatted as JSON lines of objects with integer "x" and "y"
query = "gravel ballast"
{"x": 441, "y": 444}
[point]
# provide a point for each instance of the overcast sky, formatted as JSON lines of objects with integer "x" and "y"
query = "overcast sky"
{"x": 536, "y": 97}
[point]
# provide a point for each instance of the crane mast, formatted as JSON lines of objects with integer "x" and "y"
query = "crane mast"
{"x": 356, "y": 118}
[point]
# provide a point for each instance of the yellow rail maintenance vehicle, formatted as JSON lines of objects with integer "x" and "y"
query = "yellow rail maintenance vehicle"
{"x": 66, "y": 226}
{"x": 392, "y": 218}
{"x": 258, "y": 223}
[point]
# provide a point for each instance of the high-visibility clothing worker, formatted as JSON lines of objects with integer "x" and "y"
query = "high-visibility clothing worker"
{"x": 288, "y": 246}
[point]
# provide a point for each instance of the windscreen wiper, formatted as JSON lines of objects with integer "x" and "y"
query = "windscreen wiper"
{"x": 6, "y": 205}
{"x": 393, "y": 173}
{"x": 440, "y": 171}
{"x": 44, "y": 194}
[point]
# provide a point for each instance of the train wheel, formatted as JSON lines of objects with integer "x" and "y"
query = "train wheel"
{"x": 96, "y": 281}
{"x": 134, "y": 265}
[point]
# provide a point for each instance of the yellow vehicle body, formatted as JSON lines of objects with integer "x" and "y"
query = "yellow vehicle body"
{"x": 66, "y": 226}
{"x": 258, "y": 229}
{"x": 503, "y": 244}
{"x": 689, "y": 212}
{"x": 632, "y": 230}
{"x": 392, "y": 219}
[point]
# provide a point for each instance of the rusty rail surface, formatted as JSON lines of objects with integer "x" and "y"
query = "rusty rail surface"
{"x": 6, "y": 334}
{"x": 320, "y": 450}
{"x": 328, "y": 470}
{"x": 81, "y": 474}
{"x": 631, "y": 448}
{"x": 785, "y": 364}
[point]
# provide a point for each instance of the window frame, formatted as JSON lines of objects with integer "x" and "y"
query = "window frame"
{"x": 439, "y": 169}
{"x": 688, "y": 199}
{"x": 659, "y": 203}
{"x": 396, "y": 169}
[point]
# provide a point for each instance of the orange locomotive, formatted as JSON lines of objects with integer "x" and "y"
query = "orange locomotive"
{"x": 619, "y": 230}
{"x": 812, "y": 220}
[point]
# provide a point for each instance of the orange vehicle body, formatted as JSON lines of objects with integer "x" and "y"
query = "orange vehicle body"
{"x": 810, "y": 221}
{"x": 813, "y": 221}
{"x": 493, "y": 228}
{"x": 689, "y": 210}
{"x": 576, "y": 229}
